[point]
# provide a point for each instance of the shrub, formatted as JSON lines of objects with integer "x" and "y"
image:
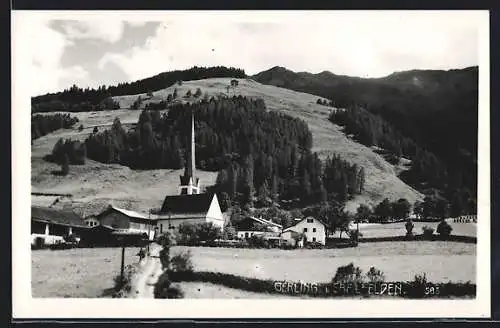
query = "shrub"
{"x": 444, "y": 228}
{"x": 409, "y": 227}
{"x": 95, "y": 129}
{"x": 182, "y": 262}
{"x": 354, "y": 235}
{"x": 375, "y": 275}
{"x": 428, "y": 232}
{"x": 80, "y": 128}
{"x": 65, "y": 165}
{"x": 197, "y": 93}
{"x": 188, "y": 94}
{"x": 257, "y": 241}
{"x": 417, "y": 286}
{"x": 123, "y": 285}
{"x": 348, "y": 273}
{"x": 39, "y": 243}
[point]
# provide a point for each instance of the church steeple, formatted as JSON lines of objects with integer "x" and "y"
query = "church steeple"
{"x": 189, "y": 183}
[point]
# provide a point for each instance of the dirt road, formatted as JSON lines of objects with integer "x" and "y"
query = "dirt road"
{"x": 148, "y": 275}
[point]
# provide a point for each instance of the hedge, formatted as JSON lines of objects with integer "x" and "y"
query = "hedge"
{"x": 409, "y": 289}
{"x": 454, "y": 238}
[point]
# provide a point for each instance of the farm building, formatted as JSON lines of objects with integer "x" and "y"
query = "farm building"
{"x": 252, "y": 226}
{"x": 313, "y": 229}
{"x": 49, "y": 225}
{"x": 192, "y": 209}
{"x": 122, "y": 220}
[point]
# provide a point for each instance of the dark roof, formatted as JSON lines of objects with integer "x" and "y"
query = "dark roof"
{"x": 62, "y": 217}
{"x": 196, "y": 203}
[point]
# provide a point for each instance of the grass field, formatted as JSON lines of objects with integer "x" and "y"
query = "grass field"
{"x": 398, "y": 229}
{"x": 441, "y": 261}
{"x": 81, "y": 272}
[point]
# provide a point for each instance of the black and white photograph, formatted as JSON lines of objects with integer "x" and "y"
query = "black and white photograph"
{"x": 254, "y": 163}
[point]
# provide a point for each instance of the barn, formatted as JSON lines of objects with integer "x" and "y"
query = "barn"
{"x": 49, "y": 226}
{"x": 122, "y": 220}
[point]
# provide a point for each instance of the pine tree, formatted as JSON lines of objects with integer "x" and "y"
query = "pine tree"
{"x": 65, "y": 165}
{"x": 263, "y": 194}
{"x": 457, "y": 206}
{"x": 197, "y": 93}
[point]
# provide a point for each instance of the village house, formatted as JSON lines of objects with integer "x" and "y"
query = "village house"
{"x": 252, "y": 226}
{"x": 49, "y": 226}
{"x": 120, "y": 220}
{"x": 313, "y": 230}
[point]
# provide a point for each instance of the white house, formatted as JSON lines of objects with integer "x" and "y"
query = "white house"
{"x": 313, "y": 229}
{"x": 191, "y": 209}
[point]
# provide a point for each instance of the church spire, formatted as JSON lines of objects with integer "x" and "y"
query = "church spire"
{"x": 189, "y": 183}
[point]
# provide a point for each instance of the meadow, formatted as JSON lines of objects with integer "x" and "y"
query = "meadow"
{"x": 399, "y": 261}
{"x": 79, "y": 272}
{"x": 372, "y": 230}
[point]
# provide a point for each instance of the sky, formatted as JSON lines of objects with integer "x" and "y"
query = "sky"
{"x": 105, "y": 48}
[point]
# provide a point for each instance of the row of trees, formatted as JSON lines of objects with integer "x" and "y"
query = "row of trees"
{"x": 78, "y": 99}
{"x": 261, "y": 156}
{"x": 431, "y": 207}
{"x": 45, "y": 124}
{"x": 56, "y": 105}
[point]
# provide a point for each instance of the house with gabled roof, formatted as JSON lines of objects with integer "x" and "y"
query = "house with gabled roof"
{"x": 50, "y": 226}
{"x": 312, "y": 229}
{"x": 190, "y": 209}
{"x": 123, "y": 220}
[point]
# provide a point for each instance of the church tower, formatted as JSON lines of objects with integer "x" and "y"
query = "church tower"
{"x": 189, "y": 183}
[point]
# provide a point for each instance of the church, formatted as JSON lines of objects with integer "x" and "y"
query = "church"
{"x": 190, "y": 206}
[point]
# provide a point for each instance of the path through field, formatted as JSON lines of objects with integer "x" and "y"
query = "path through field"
{"x": 144, "y": 286}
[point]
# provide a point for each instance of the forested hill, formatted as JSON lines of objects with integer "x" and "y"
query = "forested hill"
{"x": 257, "y": 152}
{"x": 436, "y": 109}
{"x": 76, "y": 99}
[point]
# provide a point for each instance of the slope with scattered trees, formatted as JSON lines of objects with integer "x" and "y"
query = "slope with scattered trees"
{"x": 76, "y": 99}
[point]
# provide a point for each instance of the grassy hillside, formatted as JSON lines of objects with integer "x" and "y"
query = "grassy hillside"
{"x": 95, "y": 185}
{"x": 381, "y": 177}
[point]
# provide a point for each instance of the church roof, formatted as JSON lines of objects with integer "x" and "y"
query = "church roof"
{"x": 196, "y": 203}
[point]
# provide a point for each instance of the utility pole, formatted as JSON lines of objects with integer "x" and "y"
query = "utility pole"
{"x": 149, "y": 230}
{"x": 122, "y": 269}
